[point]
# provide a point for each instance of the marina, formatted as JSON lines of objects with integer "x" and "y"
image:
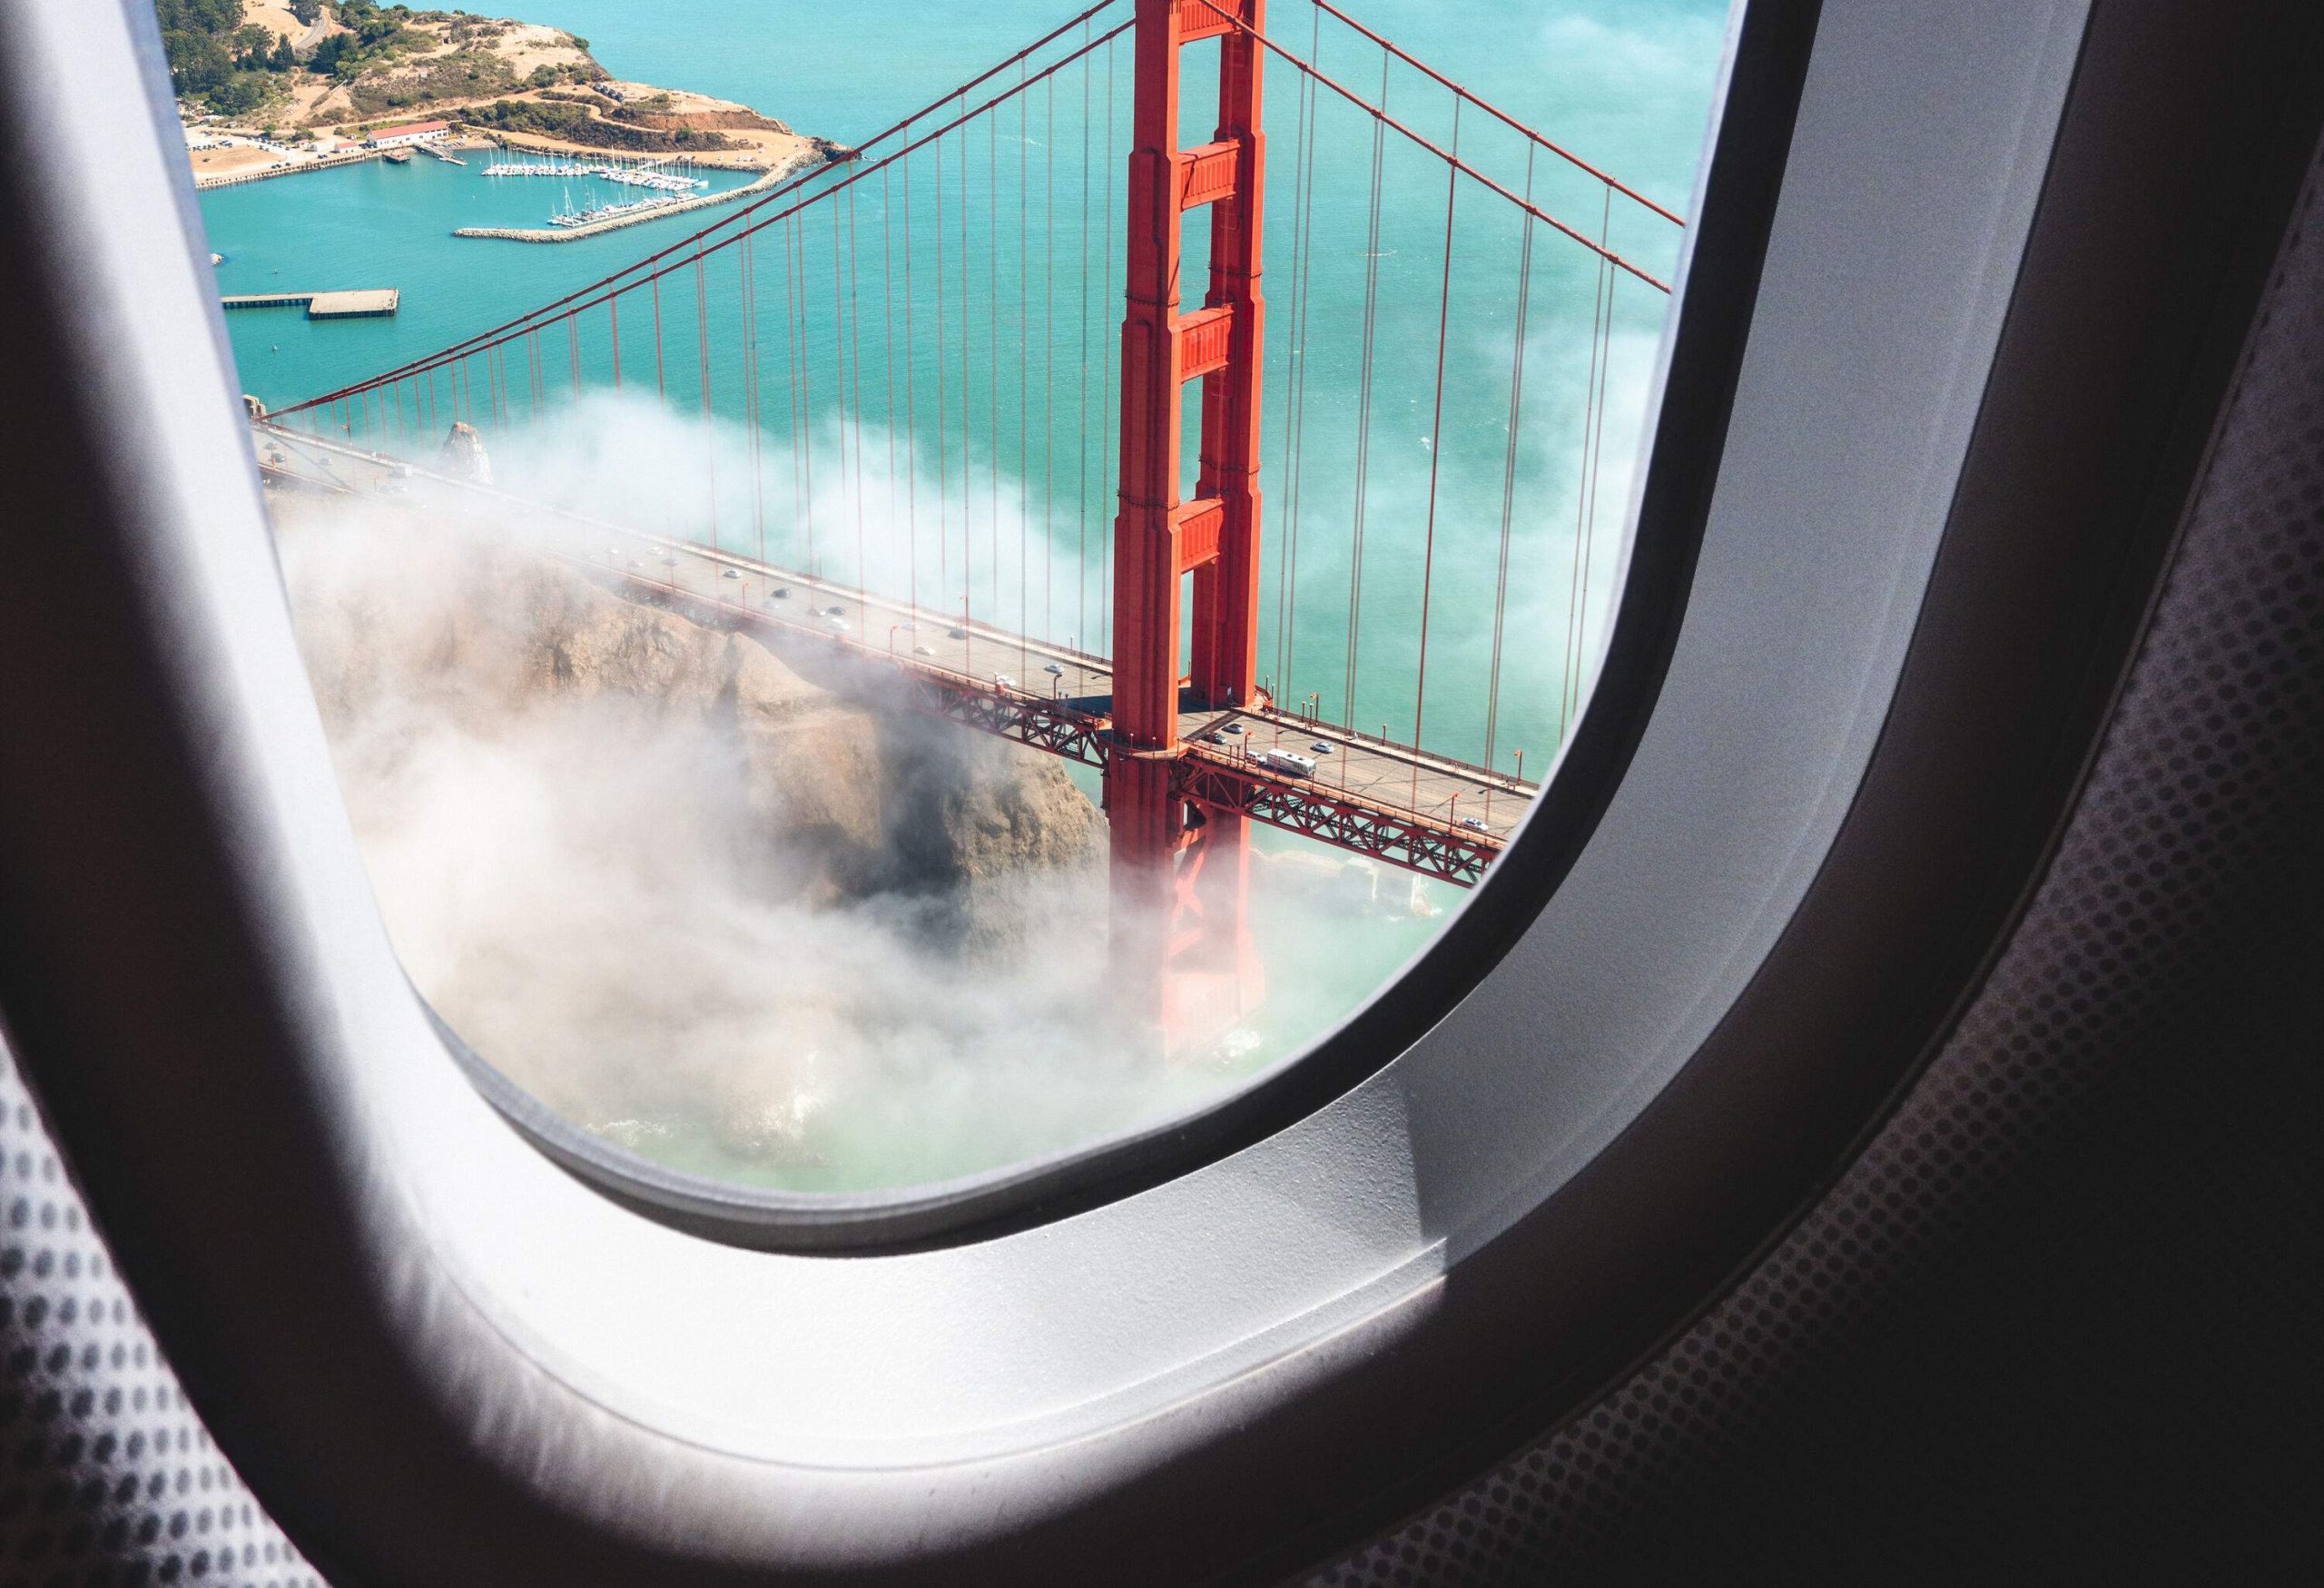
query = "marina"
{"x": 666, "y": 187}
{"x": 648, "y": 174}
{"x": 571, "y": 223}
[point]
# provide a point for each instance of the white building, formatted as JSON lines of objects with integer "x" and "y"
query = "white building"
{"x": 411, "y": 132}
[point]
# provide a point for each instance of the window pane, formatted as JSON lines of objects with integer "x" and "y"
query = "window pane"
{"x": 824, "y": 703}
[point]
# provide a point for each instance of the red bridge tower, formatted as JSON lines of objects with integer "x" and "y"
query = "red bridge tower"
{"x": 1180, "y": 940}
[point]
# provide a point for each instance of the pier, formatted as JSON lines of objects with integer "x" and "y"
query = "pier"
{"x": 368, "y": 304}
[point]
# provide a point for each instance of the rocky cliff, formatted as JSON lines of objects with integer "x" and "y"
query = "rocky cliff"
{"x": 860, "y": 801}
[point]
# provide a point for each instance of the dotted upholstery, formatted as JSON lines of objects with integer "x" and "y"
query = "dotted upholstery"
{"x": 2169, "y": 874}
{"x": 107, "y": 1477}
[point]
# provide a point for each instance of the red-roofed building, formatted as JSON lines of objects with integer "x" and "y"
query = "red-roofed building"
{"x": 411, "y": 132}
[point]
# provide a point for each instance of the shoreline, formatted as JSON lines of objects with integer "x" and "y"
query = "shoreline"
{"x": 768, "y": 180}
{"x": 203, "y": 182}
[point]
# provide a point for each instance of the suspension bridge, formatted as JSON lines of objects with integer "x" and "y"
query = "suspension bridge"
{"x": 906, "y": 456}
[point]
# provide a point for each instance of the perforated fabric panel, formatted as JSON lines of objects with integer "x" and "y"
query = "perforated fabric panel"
{"x": 2167, "y": 873}
{"x": 107, "y": 1478}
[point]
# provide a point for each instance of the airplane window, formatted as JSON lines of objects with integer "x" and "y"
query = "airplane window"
{"x": 885, "y": 613}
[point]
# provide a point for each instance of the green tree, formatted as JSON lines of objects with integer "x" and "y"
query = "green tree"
{"x": 198, "y": 63}
{"x": 241, "y": 92}
{"x": 213, "y": 17}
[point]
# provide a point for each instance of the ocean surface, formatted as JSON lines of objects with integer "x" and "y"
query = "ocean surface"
{"x": 1514, "y": 567}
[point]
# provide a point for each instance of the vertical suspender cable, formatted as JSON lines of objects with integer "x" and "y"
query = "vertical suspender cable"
{"x": 992, "y": 325}
{"x": 790, "y": 389}
{"x": 967, "y": 487}
{"x": 838, "y": 359}
{"x": 912, "y": 410}
{"x": 660, "y": 388}
{"x": 1024, "y": 368}
{"x": 1605, "y": 361}
{"x": 1568, "y": 695}
{"x": 747, "y": 264}
{"x": 888, "y": 342}
{"x": 943, "y": 424}
{"x": 1107, "y": 407}
{"x": 1295, "y": 372}
{"x": 1081, "y": 237}
{"x": 1509, "y": 466}
{"x": 1363, "y": 408}
{"x": 1048, "y": 359}
{"x": 806, "y": 390}
{"x": 1435, "y": 451}
{"x": 709, "y": 420}
{"x": 855, "y": 364}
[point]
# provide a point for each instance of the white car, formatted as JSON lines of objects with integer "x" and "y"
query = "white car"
{"x": 1286, "y": 761}
{"x": 923, "y": 651}
{"x": 1003, "y": 681}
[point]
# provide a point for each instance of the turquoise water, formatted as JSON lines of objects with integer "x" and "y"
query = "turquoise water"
{"x": 379, "y": 225}
{"x": 1011, "y": 477}
{"x": 995, "y": 492}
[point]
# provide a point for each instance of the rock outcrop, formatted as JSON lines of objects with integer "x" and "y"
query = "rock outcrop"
{"x": 863, "y": 801}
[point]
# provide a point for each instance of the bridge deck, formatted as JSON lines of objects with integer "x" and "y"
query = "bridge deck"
{"x": 1427, "y": 813}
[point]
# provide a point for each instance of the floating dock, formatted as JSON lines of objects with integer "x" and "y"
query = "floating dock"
{"x": 360, "y": 305}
